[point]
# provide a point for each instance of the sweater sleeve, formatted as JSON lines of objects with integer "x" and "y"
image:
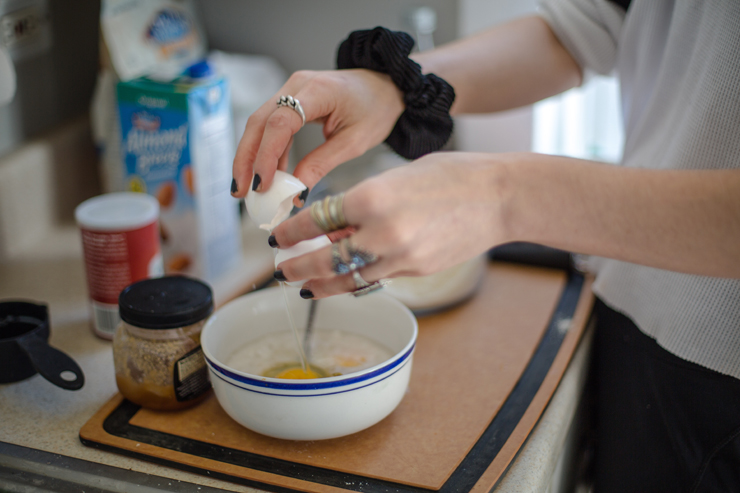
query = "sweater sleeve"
{"x": 588, "y": 29}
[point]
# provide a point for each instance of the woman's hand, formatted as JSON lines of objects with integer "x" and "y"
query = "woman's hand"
{"x": 448, "y": 207}
{"x": 418, "y": 219}
{"x": 358, "y": 109}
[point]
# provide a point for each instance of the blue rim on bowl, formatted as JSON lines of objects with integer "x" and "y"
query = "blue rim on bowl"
{"x": 344, "y": 383}
{"x": 350, "y": 380}
{"x": 329, "y": 385}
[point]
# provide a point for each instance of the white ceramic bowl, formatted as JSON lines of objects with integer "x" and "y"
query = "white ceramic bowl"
{"x": 313, "y": 409}
{"x": 442, "y": 290}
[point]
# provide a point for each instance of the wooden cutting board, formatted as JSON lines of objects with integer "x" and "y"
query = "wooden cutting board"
{"x": 483, "y": 373}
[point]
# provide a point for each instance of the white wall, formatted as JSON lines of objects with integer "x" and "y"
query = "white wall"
{"x": 302, "y": 34}
{"x": 505, "y": 131}
{"x": 55, "y": 85}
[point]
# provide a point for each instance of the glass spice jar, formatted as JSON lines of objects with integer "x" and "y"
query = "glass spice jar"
{"x": 156, "y": 348}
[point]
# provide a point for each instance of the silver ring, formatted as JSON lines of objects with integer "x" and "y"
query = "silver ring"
{"x": 333, "y": 207}
{"x": 338, "y": 265}
{"x": 291, "y": 102}
{"x": 358, "y": 256}
{"x": 318, "y": 216}
{"x": 362, "y": 287}
{"x": 328, "y": 213}
{"x": 359, "y": 281}
{"x": 369, "y": 288}
{"x": 355, "y": 258}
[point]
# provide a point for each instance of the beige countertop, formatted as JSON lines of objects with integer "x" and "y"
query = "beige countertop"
{"x": 38, "y": 415}
{"x": 41, "y": 416}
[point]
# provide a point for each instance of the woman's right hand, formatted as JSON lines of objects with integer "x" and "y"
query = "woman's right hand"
{"x": 358, "y": 109}
{"x": 418, "y": 219}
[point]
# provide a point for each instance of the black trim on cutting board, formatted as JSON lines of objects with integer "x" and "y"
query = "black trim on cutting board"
{"x": 463, "y": 478}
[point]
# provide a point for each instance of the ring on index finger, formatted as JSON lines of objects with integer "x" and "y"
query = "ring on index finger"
{"x": 328, "y": 214}
{"x": 291, "y": 102}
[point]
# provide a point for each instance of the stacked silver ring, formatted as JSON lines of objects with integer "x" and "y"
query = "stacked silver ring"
{"x": 328, "y": 213}
{"x": 291, "y": 102}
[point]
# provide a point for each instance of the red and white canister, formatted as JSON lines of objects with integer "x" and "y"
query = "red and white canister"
{"x": 120, "y": 242}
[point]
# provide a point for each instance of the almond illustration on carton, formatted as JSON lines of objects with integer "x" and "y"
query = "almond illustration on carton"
{"x": 179, "y": 262}
{"x": 187, "y": 179}
{"x": 166, "y": 194}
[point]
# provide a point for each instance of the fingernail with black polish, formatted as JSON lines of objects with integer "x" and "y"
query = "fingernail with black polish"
{"x": 272, "y": 241}
{"x": 306, "y": 294}
{"x": 256, "y": 182}
{"x": 234, "y": 188}
{"x": 278, "y": 274}
{"x": 303, "y": 196}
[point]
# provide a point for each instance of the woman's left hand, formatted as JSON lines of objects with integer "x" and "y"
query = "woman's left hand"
{"x": 418, "y": 219}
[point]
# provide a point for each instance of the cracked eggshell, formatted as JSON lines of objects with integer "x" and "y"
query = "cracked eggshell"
{"x": 298, "y": 249}
{"x": 273, "y": 206}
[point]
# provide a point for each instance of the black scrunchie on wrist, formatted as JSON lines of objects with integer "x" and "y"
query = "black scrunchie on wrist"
{"x": 425, "y": 125}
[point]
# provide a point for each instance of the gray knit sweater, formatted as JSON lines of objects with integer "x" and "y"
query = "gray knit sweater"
{"x": 678, "y": 62}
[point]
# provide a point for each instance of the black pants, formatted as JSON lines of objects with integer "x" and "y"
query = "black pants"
{"x": 663, "y": 424}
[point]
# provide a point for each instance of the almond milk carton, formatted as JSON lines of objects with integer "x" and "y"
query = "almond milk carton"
{"x": 177, "y": 144}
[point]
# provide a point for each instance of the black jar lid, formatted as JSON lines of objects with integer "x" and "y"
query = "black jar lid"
{"x": 165, "y": 302}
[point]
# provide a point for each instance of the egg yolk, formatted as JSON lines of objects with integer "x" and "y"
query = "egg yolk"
{"x": 347, "y": 361}
{"x": 298, "y": 373}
